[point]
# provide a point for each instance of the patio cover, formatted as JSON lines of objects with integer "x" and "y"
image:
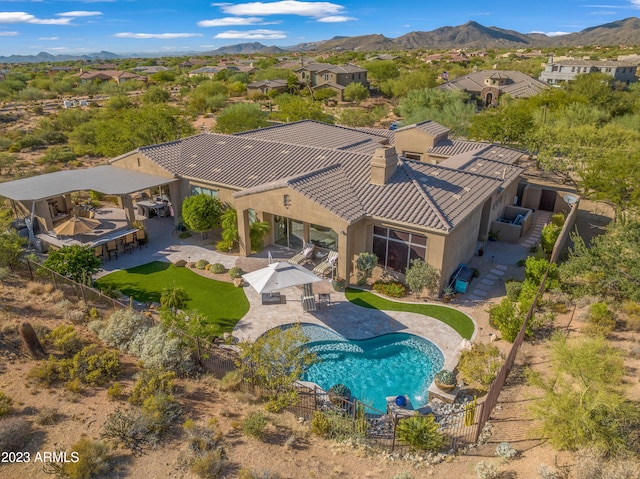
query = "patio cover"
{"x": 279, "y": 275}
{"x": 107, "y": 179}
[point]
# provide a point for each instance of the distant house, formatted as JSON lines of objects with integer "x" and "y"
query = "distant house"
{"x": 110, "y": 75}
{"x": 448, "y": 57}
{"x": 205, "y": 71}
{"x": 566, "y": 70}
{"x": 326, "y": 75}
{"x": 150, "y": 70}
{"x": 263, "y": 87}
{"x": 383, "y": 57}
{"x": 489, "y": 85}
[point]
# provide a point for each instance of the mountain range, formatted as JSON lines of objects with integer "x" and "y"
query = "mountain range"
{"x": 469, "y": 35}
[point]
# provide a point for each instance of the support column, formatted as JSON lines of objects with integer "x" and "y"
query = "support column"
{"x": 244, "y": 241}
{"x": 305, "y": 232}
{"x": 345, "y": 255}
{"x": 126, "y": 203}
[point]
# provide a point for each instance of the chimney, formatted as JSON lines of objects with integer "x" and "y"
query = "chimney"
{"x": 383, "y": 165}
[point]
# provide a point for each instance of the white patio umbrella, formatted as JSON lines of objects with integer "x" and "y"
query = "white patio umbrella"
{"x": 279, "y": 275}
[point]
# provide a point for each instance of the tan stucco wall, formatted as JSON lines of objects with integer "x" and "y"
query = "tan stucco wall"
{"x": 138, "y": 162}
{"x": 460, "y": 245}
{"x": 413, "y": 140}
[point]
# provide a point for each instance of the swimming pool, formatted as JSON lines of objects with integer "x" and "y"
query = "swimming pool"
{"x": 388, "y": 365}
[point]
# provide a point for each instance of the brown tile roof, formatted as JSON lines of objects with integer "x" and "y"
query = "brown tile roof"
{"x": 321, "y": 67}
{"x": 428, "y": 126}
{"x": 313, "y": 133}
{"x": 338, "y": 180}
{"x": 519, "y": 84}
{"x": 448, "y": 147}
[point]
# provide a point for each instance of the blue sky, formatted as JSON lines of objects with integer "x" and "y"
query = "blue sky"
{"x": 140, "y": 26}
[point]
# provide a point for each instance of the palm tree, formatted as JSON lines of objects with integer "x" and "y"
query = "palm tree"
{"x": 257, "y": 232}
{"x": 173, "y": 297}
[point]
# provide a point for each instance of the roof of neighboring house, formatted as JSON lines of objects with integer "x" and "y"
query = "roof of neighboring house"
{"x": 314, "y": 133}
{"x": 199, "y": 71}
{"x": 338, "y": 180}
{"x": 320, "y": 67}
{"x": 428, "y": 126}
{"x": 519, "y": 85}
{"x": 110, "y": 74}
{"x": 276, "y": 83}
{"x": 448, "y": 147}
{"x": 389, "y": 134}
{"x": 592, "y": 63}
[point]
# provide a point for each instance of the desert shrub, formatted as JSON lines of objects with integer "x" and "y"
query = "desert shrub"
{"x": 126, "y": 427}
{"x": 592, "y": 464}
{"x": 91, "y": 366}
{"x": 505, "y": 451}
{"x": 549, "y": 236}
{"x": 6, "y": 404}
{"x": 173, "y": 297}
{"x": 123, "y": 327}
{"x": 217, "y": 268}
{"x": 158, "y": 350}
{"x": 149, "y": 382}
{"x": 14, "y": 433}
{"x": 631, "y": 310}
{"x": 93, "y": 460}
{"x": 232, "y": 381}
{"x": 209, "y": 465}
{"x": 74, "y": 386}
{"x": 201, "y": 264}
{"x": 266, "y": 474}
{"x": 47, "y": 372}
{"x": 66, "y": 339}
{"x": 48, "y": 416}
{"x": 224, "y": 245}
{"x": 320, "y": 424}
{"x": 422, "y": 276}
{"x": 421, "y": 433}
{"x": 365, "y": 262}
{"x": 479, "y": 365}
{"x": 506, "y": 318}
{"x": 445, "y": 376}
{"x": 115, "y": 391}
{"x": 254, "y": 425}
{"x": 158, "y": 412}
{"x": 600, "y": 320}
{"x": 4, "y": 273}
{"x": 235, "y": 272}
{"x": 547, "y": 472}
{"x": 513, "y": 289}
{"x": 202, "y": 438}
{"x": 393, "y": 289}
{"x": 486, "y": 470}
{"x": 334, "y": 425}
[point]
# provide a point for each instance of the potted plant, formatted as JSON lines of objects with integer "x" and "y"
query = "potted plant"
{"x": 481, "y": 250}
{"x": 445, "y": 380}
{"x": 338, "y": 284}
{"x": 494, "y": 235}
{"x": 448, "y": 293}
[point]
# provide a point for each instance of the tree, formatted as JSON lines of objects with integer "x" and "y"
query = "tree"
{"x": 365, "y": 264}
{"x": 156, "y": 94}
{"x": 11, "y": 244}
{"x": 356, "y": 92}
{"x": 201, "y": 213}
{"x": 229, "y": 223}
{"x": 173, "y": 297}
{"x": 75, "y": 262}
{"x": 451, "y": 109}
{"x": 240, "y": 117}
{"x": 480, "y": 365}
{"x": 208, "y": 96}
{"x": 295, "y": 108}
{"x": 421, "y": 275}
{"x": 382, "y": 70}
{"x": 275, "y": 361}
{"x": 583, "y": 403}
{"x": 324, "y": 94}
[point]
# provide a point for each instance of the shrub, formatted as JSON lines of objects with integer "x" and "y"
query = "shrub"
{"x": 157, "y": 350}
{"x": 547, "y": 472}
{"x": 254, "y": 425}
{"x": 173, "y": 297}
{"x": 46, "y": 373}
{"x": 158, "y": 412}
{"x": 4, "y": 273}
{"x": 126, "y": 427}
{"x": 93, "y": 460}
{"x": 549, "y": 236}
{"x": 340, "y": 390}
{"x": 506, "y": 318}
{"x": 235, "y": 272}
{"x": 513, "y": 290}
{"x": 115, "y": 392}
{"x": 123, "y": 327}
{"x": 364, "y": 265}
{"x": 201, "y": 264}
{"x": 505, "y": 451}
{"x": 266, "y": 474}
{"x": 149, "y": 382}
{"x": 446, "y": 377}
{"x": 66, "y": 339}
{"x": 631, "y": 309}
{"x": 91, "y": 366}
{"x": 6, "y": 404}
{"x": 15, "y": 433}
{"x": 486, "y": 470}
{"x": 600, "y": 320}
{"x": 479, "y": 365}
{"x": 393, "y": 289}
{"x": 232, "y": 381}
{"x": 48, "y": 416}
{"x": 320, "y": 424}
{"x": 420, "y": 432}
{"x": 217, "y": 268}
{"x": 209, "y": 465}
{"x": 421, "y": 275}
{"x": 224, "y": 245}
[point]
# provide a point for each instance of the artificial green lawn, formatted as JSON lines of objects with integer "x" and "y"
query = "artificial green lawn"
{"x": 454, "y": 318}
{"x": 222, "y": 303}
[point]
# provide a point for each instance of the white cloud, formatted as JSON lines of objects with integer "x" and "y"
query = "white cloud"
{"x": 49, "y": 39}
{"x": 252, "y": 34}
{"x": 336, "y": 19}
{"x": 8, "y": 34}
{"x": 23, "y": 17}
{"x": 232, "y": 21}
{"x": 286, "y": 7}
{"x": 551, "y": 34}
{"x": 635, "y": 3}
{"x": 79, "y": 13}
{"x": 162, "y": 36}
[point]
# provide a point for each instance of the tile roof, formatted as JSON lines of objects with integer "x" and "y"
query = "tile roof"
{"x": 520, "y": 85}
{"x": 313, "y": 133}
{"x": 428, "y": 126}
{"x": 338, "y": 180}
{"x": 320, "y": 67}
{"x": 448, "y": 147}
{"x": 592, "y": 63}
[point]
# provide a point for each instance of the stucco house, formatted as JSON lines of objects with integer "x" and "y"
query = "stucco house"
{"x": 567, "y": 70}
{"x": 110, "y": 75}
{"x": 262, "y": 87}
{"x": 488, "y": 85}
{"x": 326, "y": 75}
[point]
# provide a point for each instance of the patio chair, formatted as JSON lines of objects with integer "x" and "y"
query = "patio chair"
{"x": 308, "y": 303}
{"x": 303, "y": 255}
{"x": 112, "y": 247}
{"x": 141, "y": 238}
{"x": 129, "y": 243}
{"x": 327, "y": 265}
{"x": 99, "y": 251}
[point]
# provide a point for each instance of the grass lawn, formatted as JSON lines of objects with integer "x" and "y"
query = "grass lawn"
{"x": 454, "y": 318}
{"x": 222, "y": 303}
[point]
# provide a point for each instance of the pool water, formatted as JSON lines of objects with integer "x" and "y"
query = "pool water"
{"x": 388, "y": 365}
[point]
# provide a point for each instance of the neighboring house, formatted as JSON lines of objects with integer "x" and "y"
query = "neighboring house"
{"x": 488, "y": 85}
{"x": 110, "y": 75}
{"x": 383, "y": 56}
{"x": 205, "y": 71}
{"x": 150, "y": 70}
{"x": 448, "y": 57}
{"x": 567, "y": 70}
{"x": 326, "y": 75}
{"x": 343, "y": 189}
{"x": 263, "y": 87}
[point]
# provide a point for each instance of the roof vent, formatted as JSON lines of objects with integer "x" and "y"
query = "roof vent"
{"x": 221, "y": 143}
{"x": 285, "y": 152}
{"x": 247, "y": 147}
{"x": 457, "y": 197}
{"x": 191, "y": 165}
{"x": 216, "y": 170}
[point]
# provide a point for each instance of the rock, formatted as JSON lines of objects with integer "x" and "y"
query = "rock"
{"x": 180, "y": 263}
{"x": 238, "y": 282}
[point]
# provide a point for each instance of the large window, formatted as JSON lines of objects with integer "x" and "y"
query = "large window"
{"x": 395, "y": 249}
{"x": 201, "y": 190}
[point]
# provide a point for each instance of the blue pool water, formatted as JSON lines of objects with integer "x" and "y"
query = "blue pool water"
{"x": 373, "y": 369}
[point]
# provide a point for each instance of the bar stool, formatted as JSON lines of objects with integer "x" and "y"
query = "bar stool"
{"x": 112, "y": 247}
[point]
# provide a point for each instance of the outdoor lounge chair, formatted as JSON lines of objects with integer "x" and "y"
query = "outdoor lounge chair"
{"x": 303, "y": 255}
{"x": 327, "y": 265}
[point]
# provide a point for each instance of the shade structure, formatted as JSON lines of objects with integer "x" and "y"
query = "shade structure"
{"x": 279, "y": 275}
{"x": 76, "y": 225}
